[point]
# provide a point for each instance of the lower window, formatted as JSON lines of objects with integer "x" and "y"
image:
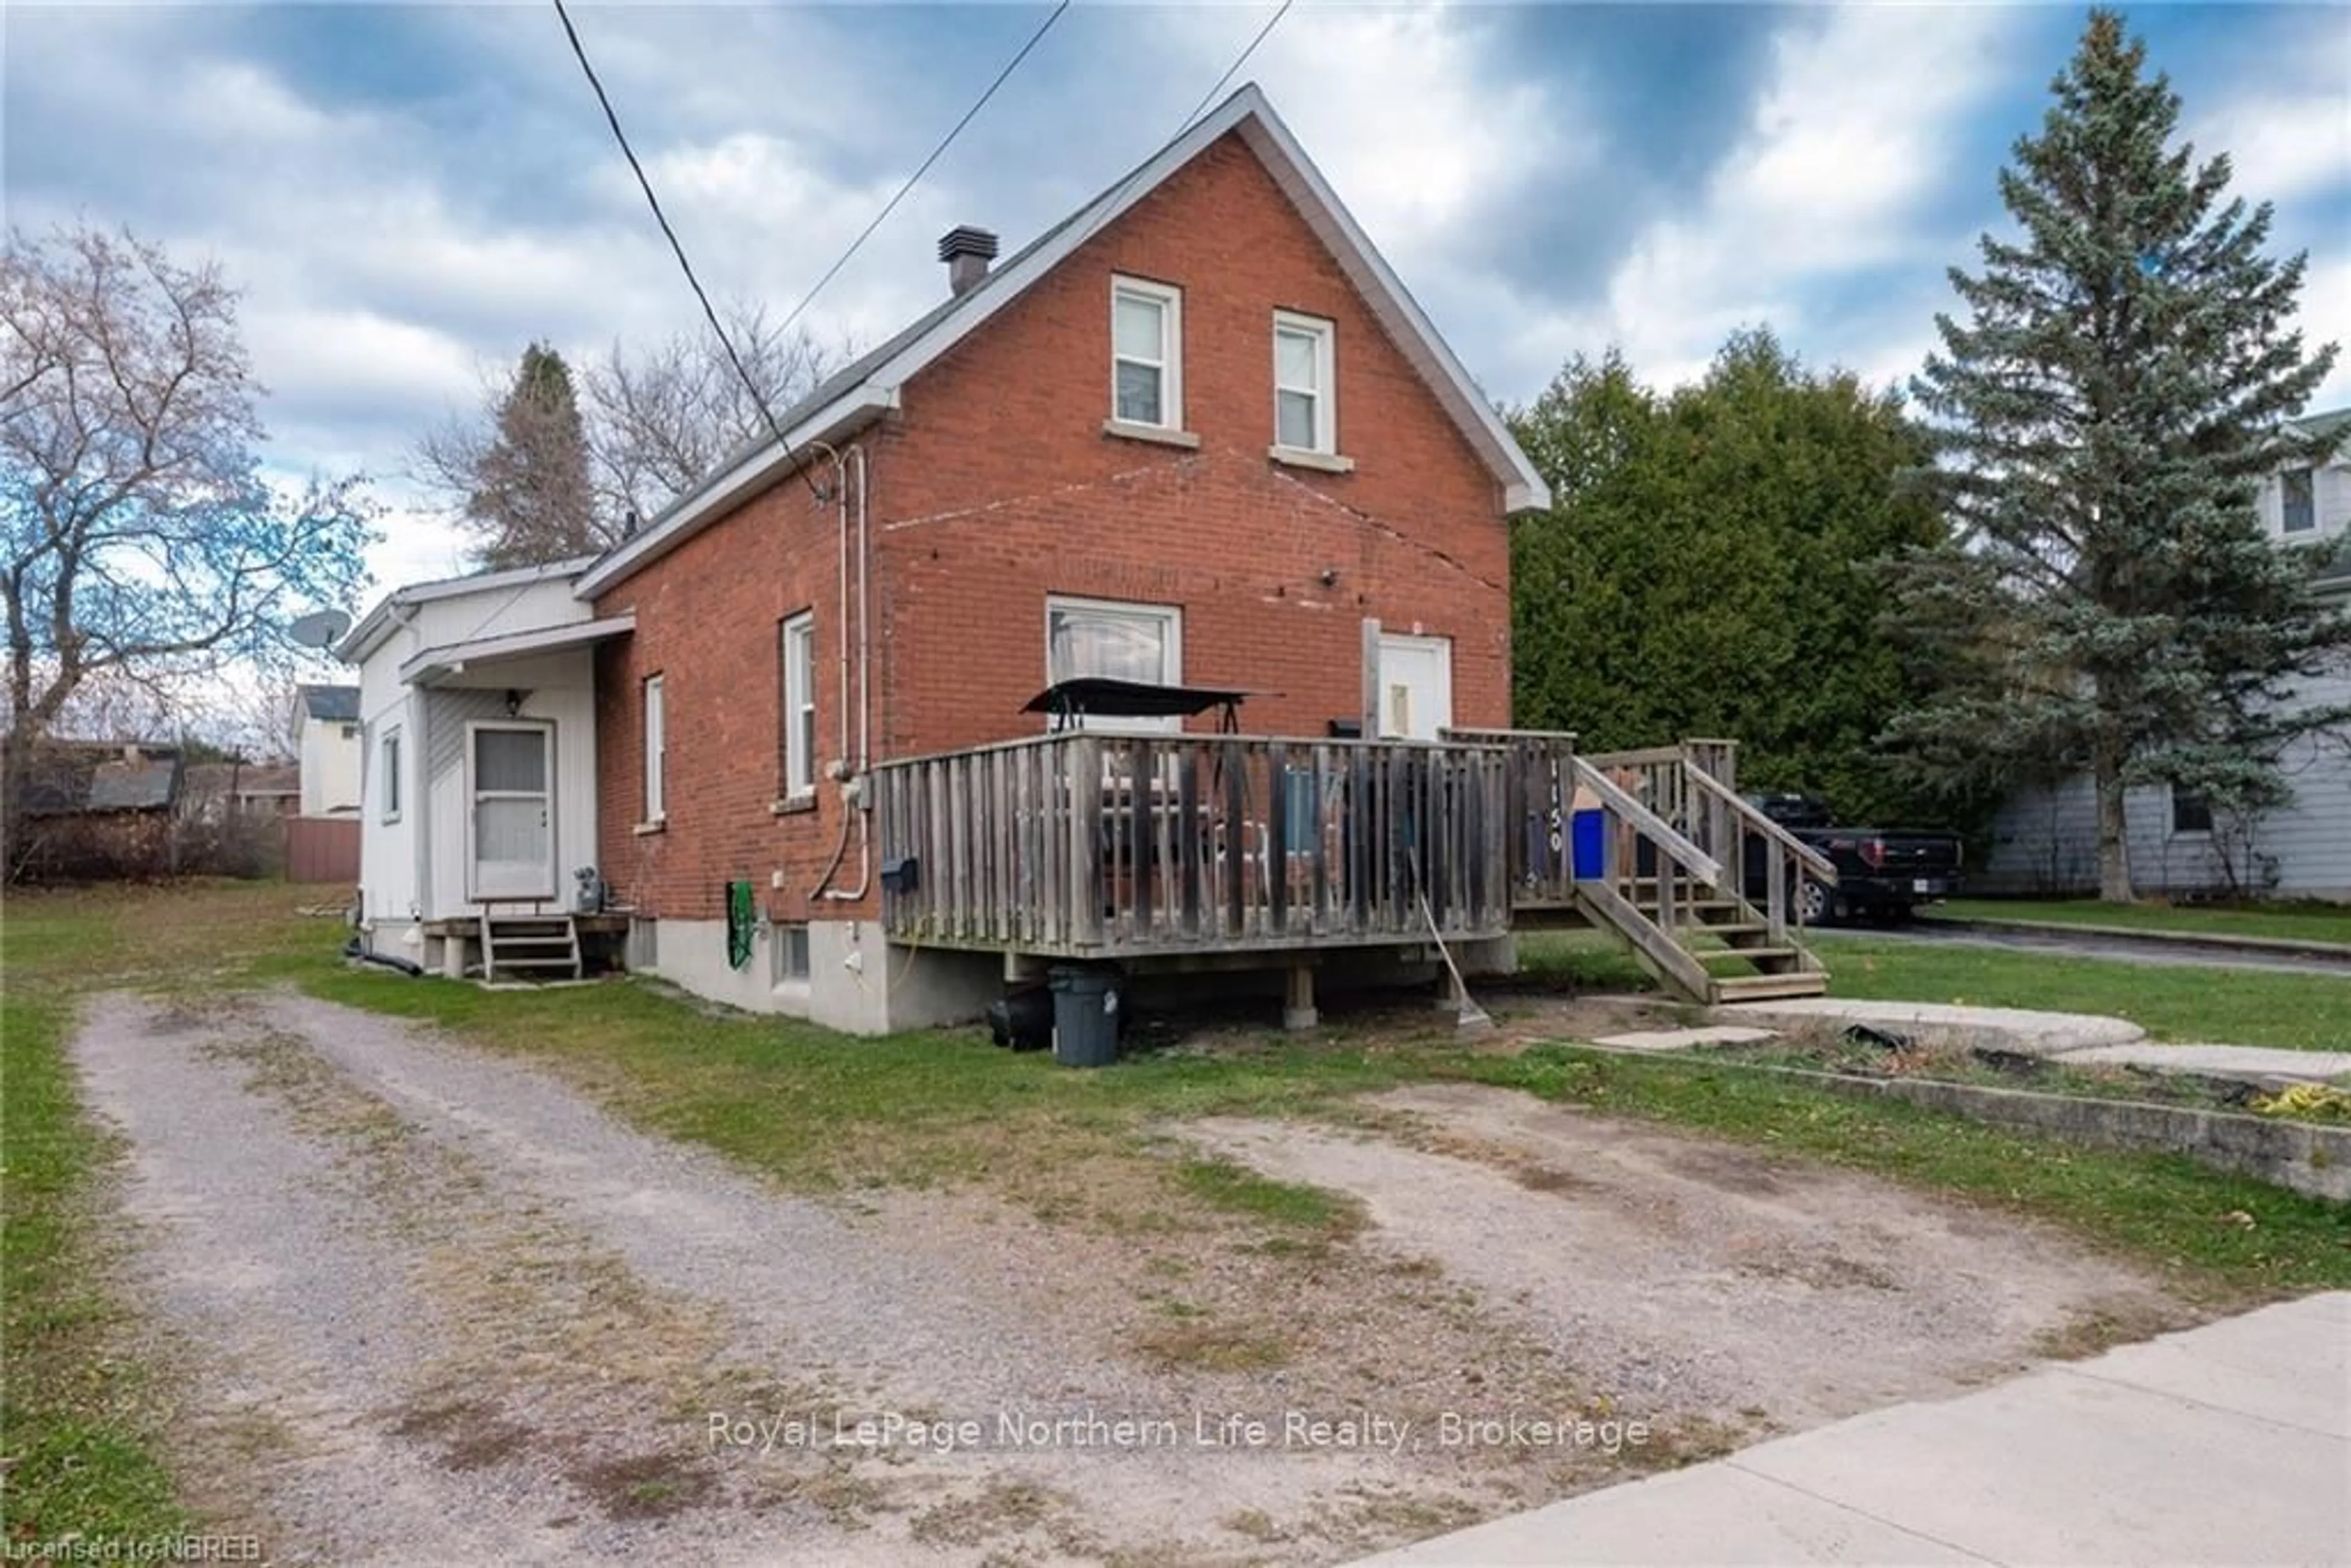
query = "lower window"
{"x": 790, "y": 953}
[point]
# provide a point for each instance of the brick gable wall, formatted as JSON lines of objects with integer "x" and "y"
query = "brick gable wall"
{"x": 995, "y": 485}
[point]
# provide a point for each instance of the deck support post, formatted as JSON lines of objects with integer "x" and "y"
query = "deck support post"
{"x": 453, "y": 957}
{"x": 1298, "y": 1003}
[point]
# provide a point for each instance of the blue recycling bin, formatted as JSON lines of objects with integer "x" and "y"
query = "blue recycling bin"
{"x": 1588, "y": 844}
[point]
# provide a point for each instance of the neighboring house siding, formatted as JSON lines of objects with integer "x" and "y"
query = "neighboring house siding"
{"x": 330, "y": 767}
{"x": 2330, "y": 504}
{"x": 2046, "y": 840}
{"x": 995, "y": 487}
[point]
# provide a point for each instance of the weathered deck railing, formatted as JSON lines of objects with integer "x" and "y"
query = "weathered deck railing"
{"x": 1106, "y": 845}
{"x": 1695, "y": 787}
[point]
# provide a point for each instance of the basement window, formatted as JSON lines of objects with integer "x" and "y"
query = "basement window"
{"x": 789, "y": 953}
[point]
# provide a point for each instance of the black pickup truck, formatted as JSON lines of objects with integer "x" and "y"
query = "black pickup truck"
{"x": 1882, "y": 872}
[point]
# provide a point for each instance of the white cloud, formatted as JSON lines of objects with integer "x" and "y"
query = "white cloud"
{"x": 1851, "y": 141}
{"x": 2285, "y": 123}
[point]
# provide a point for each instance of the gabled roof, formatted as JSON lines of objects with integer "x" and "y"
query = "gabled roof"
{"x": 73, "y": 778}
{"x": 369, "y": 633}
{"x": 870, "y": 385}
{"x": 2330, "y": 424}
{"x": 251, "y": 780}
{"x": 330, "y": 705}
{"x": 434, "y": 664}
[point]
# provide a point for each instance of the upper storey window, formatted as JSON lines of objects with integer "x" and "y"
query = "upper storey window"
{"x": 1305, "y": 411}
{"x": 1146, "y": 354}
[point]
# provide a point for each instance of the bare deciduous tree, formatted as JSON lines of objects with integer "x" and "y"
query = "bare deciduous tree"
{"x": 137, "y": 534}
{"x": 655, "y": 421}
{"x": 661, "y": 419}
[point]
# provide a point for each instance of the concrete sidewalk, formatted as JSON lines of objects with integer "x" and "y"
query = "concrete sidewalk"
{"x": 2230, "y": 1443}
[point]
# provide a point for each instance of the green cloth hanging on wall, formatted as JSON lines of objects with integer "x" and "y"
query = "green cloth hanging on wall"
{"x": 742, "y": 918}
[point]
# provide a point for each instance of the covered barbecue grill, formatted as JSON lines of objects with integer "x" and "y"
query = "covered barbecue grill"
{"x": 1073, "y": 701}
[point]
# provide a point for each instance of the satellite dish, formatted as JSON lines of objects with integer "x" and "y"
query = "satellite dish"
{"x": 319, "y": 629}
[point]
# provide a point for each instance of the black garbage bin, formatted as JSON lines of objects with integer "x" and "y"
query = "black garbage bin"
{"x": 1085, "y": 1016}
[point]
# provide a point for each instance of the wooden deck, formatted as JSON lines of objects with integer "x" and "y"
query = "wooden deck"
{"x": 1088, "y": 845}
{"x": 1092, "y": 846}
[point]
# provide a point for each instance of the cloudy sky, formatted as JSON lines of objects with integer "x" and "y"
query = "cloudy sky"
{"x": 409, "y": 194}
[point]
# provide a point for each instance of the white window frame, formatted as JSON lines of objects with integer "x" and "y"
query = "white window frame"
{"x": 388, "y": 756}
{"x": 789, "y": 969}
{"x": 1170, "y": 618}
{"x": 1170, "y": 365}
{"x": 655, "y": 699}
{"x": 2173, "y": 796}
{"x": 798, "y": 653}
{"x": 2285, "y": 508}
{"x": 1325, "y": 391}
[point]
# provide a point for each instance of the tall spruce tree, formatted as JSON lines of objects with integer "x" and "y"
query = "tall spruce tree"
{"x": 529, "y": 499}
{"x": 2109, "y": 602}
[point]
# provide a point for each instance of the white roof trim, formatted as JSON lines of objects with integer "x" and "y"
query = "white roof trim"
{"x": 363, "y": 638}
{"x": 721, "y": 495}
{"x": 434, "y": 663}
{"x": 1523, "y": 488}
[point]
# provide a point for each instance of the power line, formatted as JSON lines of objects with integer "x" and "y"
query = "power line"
{"x": 767, "y": 415}
{"x": 612, "y": 119}
{"x": 1109, "y": 204}
{"x": 1233, "y": 69}
{"x": 912, "y": 179}
{"x": 758, "y": 399}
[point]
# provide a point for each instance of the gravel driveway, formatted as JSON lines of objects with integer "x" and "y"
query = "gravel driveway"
{"x": 426, "y": 1304}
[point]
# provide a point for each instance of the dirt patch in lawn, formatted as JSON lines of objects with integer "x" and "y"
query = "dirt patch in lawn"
{"x": 1691, "y": 1280}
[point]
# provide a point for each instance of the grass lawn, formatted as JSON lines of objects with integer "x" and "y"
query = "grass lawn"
{"x": 821, "y": 1112}
{"x": 2186, "y": 1002}
{"x": 78, "y": 1418}
{"x": 2170, "y": 1001}
{"x": 2308, "y": 921}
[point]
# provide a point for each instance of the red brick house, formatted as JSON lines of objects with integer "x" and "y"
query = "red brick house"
{"x": 1074, "y": 465}
{"x": 1193, "y": 448}
{"x": 1195, "y": 439}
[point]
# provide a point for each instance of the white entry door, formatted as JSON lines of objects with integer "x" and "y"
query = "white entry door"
{"x": 510, "y": 818}
{"x": 1415, "y": 687}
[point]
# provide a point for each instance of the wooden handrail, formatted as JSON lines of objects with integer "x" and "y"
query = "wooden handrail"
{"x": 1656, "y": 829}
{"x": 1114, "y": 737}
{"x": 1647, "y": 756}
{"x": 1822, "y": 868}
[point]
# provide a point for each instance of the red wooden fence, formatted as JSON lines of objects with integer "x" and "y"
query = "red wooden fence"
{"x": 322, "y": 848}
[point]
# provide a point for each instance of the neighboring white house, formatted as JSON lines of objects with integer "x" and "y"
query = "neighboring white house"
{"x": 2045, "y": 839}
{"x": 477, "y": 698}
{"x": 326, "y": 727}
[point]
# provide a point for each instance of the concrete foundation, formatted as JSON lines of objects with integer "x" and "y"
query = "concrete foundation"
{"x": 857, "y": 981}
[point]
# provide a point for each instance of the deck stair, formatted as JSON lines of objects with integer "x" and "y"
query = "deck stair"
{"x": 1693, "y": 880}
{"x": 529, "y": 946}
{"x": 1694, "y": 848}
